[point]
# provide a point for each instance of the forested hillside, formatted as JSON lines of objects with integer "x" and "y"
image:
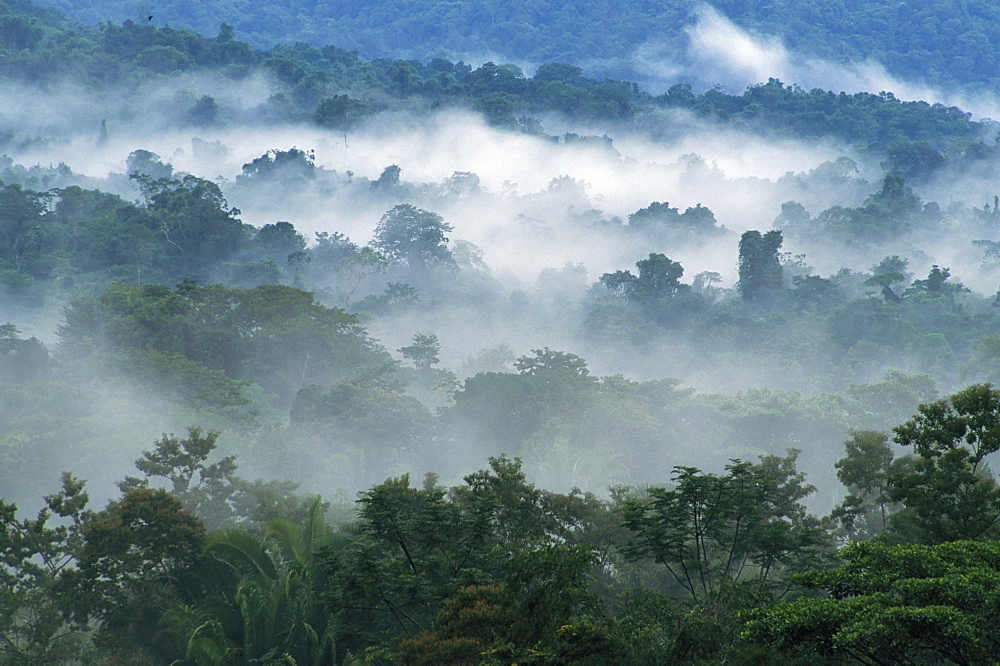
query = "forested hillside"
{"x": 944, "y": 42}
{"x": 314, "y": 355}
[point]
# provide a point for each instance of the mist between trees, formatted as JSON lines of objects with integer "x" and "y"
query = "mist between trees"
{"x": 193, "y": 563}
{"x": 687, "y": 377}
{"x": 699, "y": 515}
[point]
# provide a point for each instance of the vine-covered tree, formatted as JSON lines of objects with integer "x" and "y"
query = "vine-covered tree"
{"x": 760, "y": 266}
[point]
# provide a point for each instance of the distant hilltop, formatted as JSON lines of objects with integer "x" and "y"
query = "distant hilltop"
{"x": 941, "y": 43}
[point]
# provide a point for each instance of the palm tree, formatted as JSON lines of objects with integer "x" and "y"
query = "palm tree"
{"x": 279, "y": 586}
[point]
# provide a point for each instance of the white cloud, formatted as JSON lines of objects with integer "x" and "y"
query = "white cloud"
{"x": 721, "y": 53}
{"x": 729, "y": 54}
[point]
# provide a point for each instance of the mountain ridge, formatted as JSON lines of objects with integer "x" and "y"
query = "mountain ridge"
{"x": 950, "y": 42}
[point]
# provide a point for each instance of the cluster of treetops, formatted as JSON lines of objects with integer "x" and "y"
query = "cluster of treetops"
{"x": 946, "y": 42}
{"x": 725, "y": 566}
{"x": 193, "y": 564}
{"x": 68, "y": 245}
{"x": 253, "y": 330}
{"x": 336, "y": 88}
{"x": 120, "y": 260}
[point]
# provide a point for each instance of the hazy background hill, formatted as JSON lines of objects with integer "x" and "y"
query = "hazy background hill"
{"x": 944, "y": 42}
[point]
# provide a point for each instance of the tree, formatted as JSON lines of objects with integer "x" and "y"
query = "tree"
{"x": 663, "y": 221}
{"x": 950, "y": 494}
{"x": 620, "y": 282}
{"x": 23, "y": 232}
{"x": 888, "y": 272}
{"x": 204, "y": 112}
{"x": 357, "y": 267}
{"x": 424, "y": 350}
{"x": 558, "y": 71}
{"x": 419, "y": 547}
{"x": 201, "y": 638}
{"x": 196, "y": 225}
{"x": 728, "y": 543}
{"x": 164, "y": 59}
{"x": 549, "y": 360}
{"x": 277, "y": 336}
{"x": 212, "y": 491}
{"x": 865, "y": 471}
{"x": 812, "y": 293}
{"x": 413, "y": 554}
{"x": 985, "y": 361}
{"x": 132, "y": 561}
{"x": 704, "y": 285}
{"x": 888, "y": 604}
{"x": 793, "y": 218}
{"x": 340, "y": 112}
{"x": 913, "y": 160}
{"x": 261, "y": 596}
{"x": 884, "y": 216}
{"x": 146, "y": 163}
{"x": 331, "y": 249}
{"x": 388, "y": 179}
{"x": 659, "y": 277}
{"x": 22, "y": 360}
{"x": 936, "y": 285}
{"x": 892, "y": 264}
{"x": 290, "y": 167}
{"x": 280, "y": 586}
{"x": 760, "y": 265}
{"x": 893, "y": 203}
{"x": 530, "y": 617}
{"x": 279, "y": 241}
{"x": 415, "y": 236}
{"x": 552, "y": 396}
{"x": 470, "y": 623}
{"x": 35, "y": 555}
{"x": 18, "y": 33}
{"x": 747, "y": 526}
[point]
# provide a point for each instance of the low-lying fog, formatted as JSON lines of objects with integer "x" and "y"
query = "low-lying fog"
{"x": 737, "y": 176}
{"x": 546, "y": 214}
{"x": 718, "y": 52}
{"x": 532, "y": 192}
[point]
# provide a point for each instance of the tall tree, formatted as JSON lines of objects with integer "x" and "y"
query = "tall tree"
{"x": 865, "y": 471}
{"x": 659, "y": 277}
{"x": 746, "y": 526}
{"x": 132, "y": 563}
{"x": 760, "y": 265}
{"x": 195, "y": 222}
{"x": 35, "y": 554}
{"x": 950, "y": 494}
{"x": 23, "y": 232}
{"x": 279, "y": 593}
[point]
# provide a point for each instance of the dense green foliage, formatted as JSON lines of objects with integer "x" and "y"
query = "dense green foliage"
{"x": 942, "y": 42}
{"x": 276, "y": 336}
{"x": 895, "y": 605}
{"x": 498, "y": 571}
{"x": 142, "y": 304}
{"x": 907, "y": 131}
{"x": 336, "y": 88}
